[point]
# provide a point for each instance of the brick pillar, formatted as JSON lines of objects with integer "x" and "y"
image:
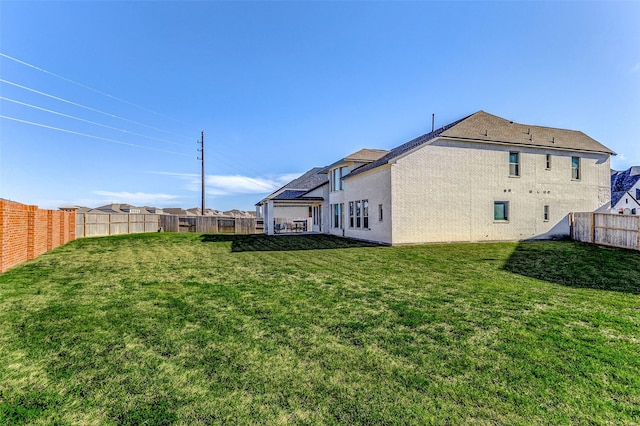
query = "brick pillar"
{"x": 72, "y": 226}
{"x": 50, "y": 230}
{"x": 31, "y": 231}
{"x": 4, "y": 245}
{"x": 63, "y": 231}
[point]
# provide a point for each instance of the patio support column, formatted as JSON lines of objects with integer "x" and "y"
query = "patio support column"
{"x": 268, "y": 218}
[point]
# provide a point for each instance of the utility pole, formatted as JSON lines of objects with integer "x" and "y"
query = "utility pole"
{"x": 201, "y": 158}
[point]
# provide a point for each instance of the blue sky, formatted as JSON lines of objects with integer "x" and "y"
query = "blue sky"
{"x": 281, "y": 87}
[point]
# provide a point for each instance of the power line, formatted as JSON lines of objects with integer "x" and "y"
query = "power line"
{"x": 88, "y": 87}
{"x": 91, "y": 136}
{"x": 236, "y": 165}
{"x": 232, "y": 164}
{"x": 88, "y": 121}
{"x": 88, "y": 107}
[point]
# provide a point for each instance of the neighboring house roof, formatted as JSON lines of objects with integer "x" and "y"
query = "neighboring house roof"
{"x": 122, "y": 208}
{"x": 487, "y": 128}
{"x": 622, "y": 182}
{"x": 175, "y": 210}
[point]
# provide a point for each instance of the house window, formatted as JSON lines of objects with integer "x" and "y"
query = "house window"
{"x": 341, "y": 215}
{"x": 365, "y": 214}
{"x": 336, "y": 215}
{"x": 380, "y": 213}
{"x": 310, "y": 212}
{"x": 501, "y": 210}
{"x": 545, "y": 213}
{"x": 548, "y": 167}
{"x": 575, "y": 168}
{"x": 317, "y": 218}
{"x": 358, "y": 213}
{"x": 343, "y": 172}
{"x": 514, "y": 164}
{"x": 336, "y": 178}
{"x": 351, "y": 214}
{"x": 638, "y": 194}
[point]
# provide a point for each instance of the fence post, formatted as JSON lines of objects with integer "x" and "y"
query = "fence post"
{"x": 571, "y": 230}
{"x": 593, "y": 227}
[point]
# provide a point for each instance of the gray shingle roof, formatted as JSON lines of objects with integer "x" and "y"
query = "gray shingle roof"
{"x": 289, "y": 194}
{"x": 484, "y": 127}
{"x": 487, "y": 128}
{"x": 309, "y": 180}
{"x": 623, "y": 181}
{"x": 396, "y": 152}
{"x": 366, "y": 154}
{"x": 301, "y": 185}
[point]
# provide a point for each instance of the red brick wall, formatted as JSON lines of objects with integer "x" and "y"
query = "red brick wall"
{"x": 27, "y": 231}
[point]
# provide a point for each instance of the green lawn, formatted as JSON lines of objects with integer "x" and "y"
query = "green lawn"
{"x": 201, "y": 329}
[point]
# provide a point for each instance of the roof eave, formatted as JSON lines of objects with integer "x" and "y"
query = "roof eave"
{"x": 528, "y": 145}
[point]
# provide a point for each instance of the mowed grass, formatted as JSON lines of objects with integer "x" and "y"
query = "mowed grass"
{"x": 211, "y": 329}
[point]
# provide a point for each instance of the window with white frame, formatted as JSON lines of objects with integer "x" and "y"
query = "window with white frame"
{"x": 358, "y": 214}
{"x": 548, "y": 162}
{"x": 336, "y": 215}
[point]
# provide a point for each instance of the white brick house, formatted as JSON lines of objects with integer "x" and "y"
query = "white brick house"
{"x": 481, "y": 178}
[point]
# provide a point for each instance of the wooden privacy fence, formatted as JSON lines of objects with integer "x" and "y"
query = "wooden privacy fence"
{"x": 208, "y": 224}
{"x": 101, "y": 224}
{"x": 615, "y": 230}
